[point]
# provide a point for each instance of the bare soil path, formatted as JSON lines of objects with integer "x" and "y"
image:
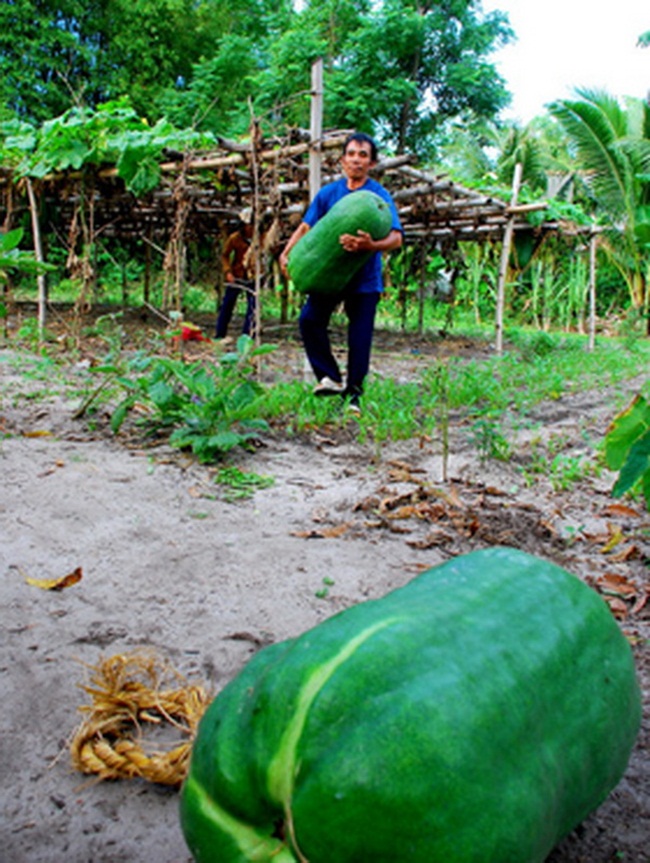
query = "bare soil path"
{"x": 170, "y": 565}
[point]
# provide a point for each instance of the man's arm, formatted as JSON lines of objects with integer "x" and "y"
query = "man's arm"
{"x": 227, "y": 259}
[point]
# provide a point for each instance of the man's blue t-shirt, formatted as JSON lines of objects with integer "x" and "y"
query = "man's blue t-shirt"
{"x": 368, "y": 280}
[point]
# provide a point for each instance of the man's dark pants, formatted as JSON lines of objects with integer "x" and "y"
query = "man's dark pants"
{"x": 228, "y": 304}
{"x": 315, "y": 316}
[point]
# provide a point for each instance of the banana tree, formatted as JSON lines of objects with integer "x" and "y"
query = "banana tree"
{"x": 612, "y": 142}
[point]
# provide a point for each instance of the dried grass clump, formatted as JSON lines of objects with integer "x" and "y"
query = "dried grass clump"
{"x": 132, "y": 695}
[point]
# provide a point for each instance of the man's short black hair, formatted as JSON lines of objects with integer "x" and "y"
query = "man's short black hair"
{"x": 362, "y": 138}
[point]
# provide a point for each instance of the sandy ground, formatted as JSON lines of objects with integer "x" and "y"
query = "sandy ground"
{"x": 170, "y": 565}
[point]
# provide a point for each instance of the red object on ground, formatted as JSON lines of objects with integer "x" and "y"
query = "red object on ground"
{"x": 192, "y": 333}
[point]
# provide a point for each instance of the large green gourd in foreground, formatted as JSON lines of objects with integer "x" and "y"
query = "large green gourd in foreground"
{"x": 318, "y": 263}
{"x": 475, "y": 715}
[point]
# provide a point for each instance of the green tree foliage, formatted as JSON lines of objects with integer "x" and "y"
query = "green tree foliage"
{"x": 612, "y": 143}
{"x": 487, "y": 157}
{"x": 422, "y": 63}
{"x": 58, "y": 53}
{"x": 229, "y": 74}
{"x": 41, "y": 55}
{"x": 399, "y": 68}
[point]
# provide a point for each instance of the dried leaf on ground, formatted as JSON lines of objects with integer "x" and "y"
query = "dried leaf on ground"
{"x": 431, "y": 540}
{"x": 630, "y": 552}
{"x": 614, "y": 509}
{"x": 617, "y": 606}
{"x": 56, "y": 583}
{"x": 615, "y": 584}
{"x": 615, "y": 537}
{"x": 641, "y": 602}
{"x": 323, "y": 533}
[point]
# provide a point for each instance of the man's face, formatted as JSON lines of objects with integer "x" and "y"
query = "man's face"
{"x": 357, "y": 160}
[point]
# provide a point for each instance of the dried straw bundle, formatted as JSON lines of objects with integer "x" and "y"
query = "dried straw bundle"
{"x": 127, "y": 698}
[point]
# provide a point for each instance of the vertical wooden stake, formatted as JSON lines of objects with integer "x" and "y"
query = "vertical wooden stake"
{"x": 505, "y": 257}
{"x": 422, "y": 286}
{"x": 316, "y": 128}
{"x": 38, "y": 254}
{"x": 147, "y": 267}
{"x": 592, "y": 290}
{"x": 256, "y": 142}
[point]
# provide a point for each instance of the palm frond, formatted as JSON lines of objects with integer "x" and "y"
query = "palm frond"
{"x": 596, "y": 125}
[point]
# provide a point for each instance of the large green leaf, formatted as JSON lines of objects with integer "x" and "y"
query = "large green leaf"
{"x": 627, "y": 448}
{"x": 627, "y": 427}
{"x": 636, "y": 466}
{"x": 10, "y": 240}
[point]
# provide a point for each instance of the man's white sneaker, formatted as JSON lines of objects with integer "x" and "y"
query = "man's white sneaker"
{"x": 353, "y": 407}
{"x": 327, "y": 387}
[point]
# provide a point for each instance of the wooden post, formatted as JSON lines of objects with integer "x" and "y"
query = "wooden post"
{"x": 38, "y": 254}
{"x": 316, "y": 128}
{"x": 592, "y": 289}
{"x": 505, "y": 257}
{"x": 256, "y": 142}
{"x": 147, "y": 268}
{"x": 422, "y": 286}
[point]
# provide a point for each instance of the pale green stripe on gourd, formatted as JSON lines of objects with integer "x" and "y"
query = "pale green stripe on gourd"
{"x": 253, "y": 846}
{"x": 283, "y": 767}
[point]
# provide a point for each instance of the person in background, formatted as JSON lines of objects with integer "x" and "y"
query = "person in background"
{"x": 361, "y": 295}
{"x": 236, "y": 276}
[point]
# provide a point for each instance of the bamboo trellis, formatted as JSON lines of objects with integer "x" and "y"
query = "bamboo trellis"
{"x": 272, "y": 176}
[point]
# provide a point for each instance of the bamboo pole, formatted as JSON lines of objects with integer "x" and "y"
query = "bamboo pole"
{"x": 592, "y": 290}
{"x": 527, "y": 208}
{"x": 422, "y": 286}
{"x": 505, "y": 256}
{"x": 38, "y": 254}
{"x": 316, "y": 128}
{"x": 255, "y": 240}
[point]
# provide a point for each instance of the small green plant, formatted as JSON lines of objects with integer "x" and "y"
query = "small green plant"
{"x": 29, "y": 334}
{"x": 323, "y": 592}
{"x": 533, "y": 345}
{"x": 13, "y": 259}
{"x": 207, "y": 408}
{"x": 489, "y": 440}
{"x": 240, "y": 485}
{"x": 627, "y": 448}
{"x": 572, "y": 533}
{"x": 566, "y": 470}
{"x": 109, "y": 329}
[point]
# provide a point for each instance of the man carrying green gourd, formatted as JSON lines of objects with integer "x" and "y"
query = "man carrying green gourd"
{"x": 356, "y": 283}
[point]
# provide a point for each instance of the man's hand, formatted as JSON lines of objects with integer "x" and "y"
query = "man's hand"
{"x": 359, "y": 242}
